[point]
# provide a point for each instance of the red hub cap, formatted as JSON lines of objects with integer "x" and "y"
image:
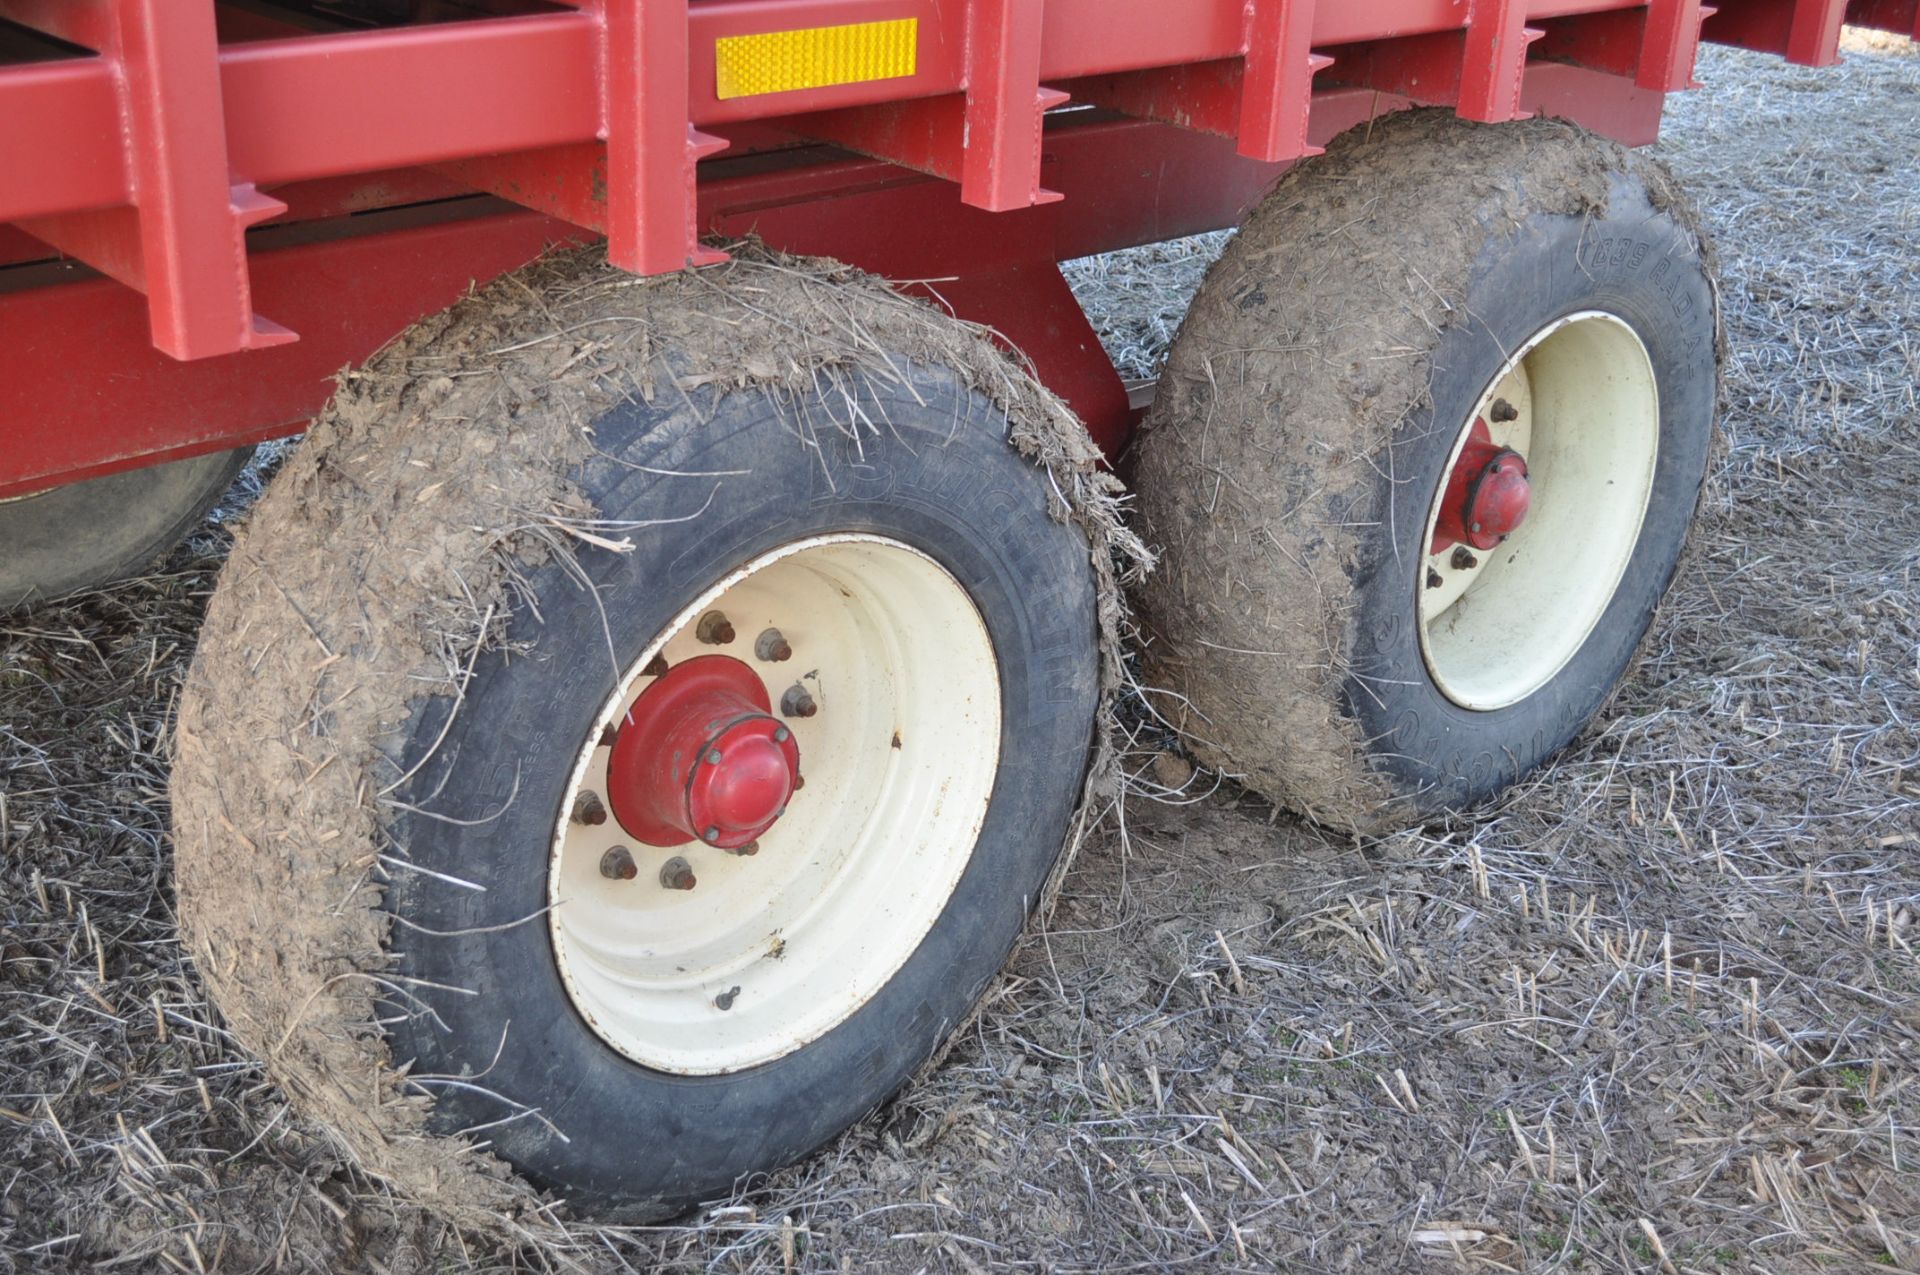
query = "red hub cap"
{"x": 1487, "y": 496}
{"x": 700, "y": 757}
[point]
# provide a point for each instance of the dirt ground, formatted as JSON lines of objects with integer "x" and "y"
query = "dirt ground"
{"x": 1657, "y": 1010}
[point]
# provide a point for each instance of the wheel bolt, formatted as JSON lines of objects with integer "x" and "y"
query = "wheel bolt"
{"x": 677, "y": 874}
{"x": 711, "y": 834}
{"x": 799, "y": 782}
{"x": 656, "y": 667}
{"x": 772, "y": 647}
{"x": 781, "y": 734}
{"x": 797, "y": 703}
{"x": 1463, "y": 558}
{"x": 1503, "y": 411}
{"x": 589, "y": 809}
{"x": 607, "y": 736}
{"x": 1434, "y": 579}
{"x": 746, "y": 851}
{"x": 617, "y": 865}
{"x": 714, "y": 629}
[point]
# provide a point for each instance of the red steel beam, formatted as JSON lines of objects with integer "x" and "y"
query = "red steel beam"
{"x": 1802, "y": 31}
{"x": 180, "y": 242}
{"x": 594, "y": 114}
{"x": 1127, "y": 183}
{"x": 1276, "y": 91}
{"x": 1902, "y": 17}
{"x": 1495, "y": 60}
{"x": 326, "y": 105}
{"x": 141, "y": 407}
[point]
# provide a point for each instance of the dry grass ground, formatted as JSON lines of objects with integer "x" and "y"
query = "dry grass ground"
{"x": 1658, "y": 1010}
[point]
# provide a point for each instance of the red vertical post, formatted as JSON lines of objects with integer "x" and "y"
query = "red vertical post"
{"x": 652, "y": 146}
{"x": 184, "y": 241}
{"x": 1277, "y": 85}
{"x": 1496, "y": 61}
{"x": 1813, "y": 37}
{"x": 1670, "y": 45}
{"x": 1000, "y": 160}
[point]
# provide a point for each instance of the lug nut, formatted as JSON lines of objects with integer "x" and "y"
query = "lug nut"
{"x": 747, "y": 851}
{"x": 1462, "y": 557}
{"x": 656, "y": 667}
{"x": 772, "y": 647}
{"x": 797, "y": 703}
{"x": 589, "y": 809}
{"x": 607, "y": 736}
{"x": 799, "y": 782}
{"x": 714, "y": 629}
{"x": 617, "y": 865}
{"x": 677, "y": 874}
{"x": 1503, "y": 411}
{"x": 1434, "y": 579}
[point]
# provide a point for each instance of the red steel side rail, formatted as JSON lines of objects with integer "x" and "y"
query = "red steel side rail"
{"x": 146, "y": 161}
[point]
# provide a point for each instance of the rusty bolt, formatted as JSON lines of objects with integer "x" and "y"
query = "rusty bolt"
{"x": 1503, "y": 411}
{"x": 1434, "y": 579}
{"x": 797, "y": 703}
{"x": 746, "y": 851}
{"x": 1462, "y": 559}
{"x": 657, "y": 666}
{"x": 799, "y": 782}
{"x": 677, "y": 874}
{"x": 714, "y": 629}
{"x": 607, "y": 736}
{"x": 617, "y": 865}
{"x": 772, "y": 646}
{"x": 589, "y": 809}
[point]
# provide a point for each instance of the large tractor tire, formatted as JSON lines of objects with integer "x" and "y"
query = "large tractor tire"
{"x": 1423, "y": 462}
{"x": 91, "y": 533}
{"x": 701, "y": 684}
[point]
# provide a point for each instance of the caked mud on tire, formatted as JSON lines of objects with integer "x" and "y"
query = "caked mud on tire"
{"x": 1303, "y": 430}
{"x": 419, "y": 628}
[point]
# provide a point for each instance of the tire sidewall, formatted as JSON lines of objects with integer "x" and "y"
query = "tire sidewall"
{"x": 1645, "y": 268}
{"x": 711, "y": 488}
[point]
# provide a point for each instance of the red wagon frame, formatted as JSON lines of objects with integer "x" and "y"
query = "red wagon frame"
{"x": 206, "y": 209}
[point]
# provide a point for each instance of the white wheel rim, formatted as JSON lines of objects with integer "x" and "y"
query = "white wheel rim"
{"x": 1497, "y": 625}
{"x": 768, "y": 952}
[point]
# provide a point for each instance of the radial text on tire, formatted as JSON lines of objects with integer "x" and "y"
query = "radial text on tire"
{"x": 1423, "y": 462}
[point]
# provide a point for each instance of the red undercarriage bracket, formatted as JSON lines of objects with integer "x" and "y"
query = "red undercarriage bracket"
{"x": 1804, "y": 31}
{"x": 148, "y": 163}
{"x": 652, "y": 146}
{"x": 986, "y": 138}
{"x": 182, "y": 240}
{"x": 637, "y": 184}
{"x": 1262, "y": 99}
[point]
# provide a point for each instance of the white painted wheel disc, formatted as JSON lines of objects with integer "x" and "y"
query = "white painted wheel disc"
{"x": 770, "y": 951}
{"x": 1497, "y": 625}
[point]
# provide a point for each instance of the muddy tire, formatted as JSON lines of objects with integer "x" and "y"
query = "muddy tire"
{"x": 722, "y": 834}
{"x": 1423, "y": 463}
{"x": 92, "y": 533}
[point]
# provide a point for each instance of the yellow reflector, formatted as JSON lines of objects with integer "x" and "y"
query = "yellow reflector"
{"x": 781, "y": 61}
